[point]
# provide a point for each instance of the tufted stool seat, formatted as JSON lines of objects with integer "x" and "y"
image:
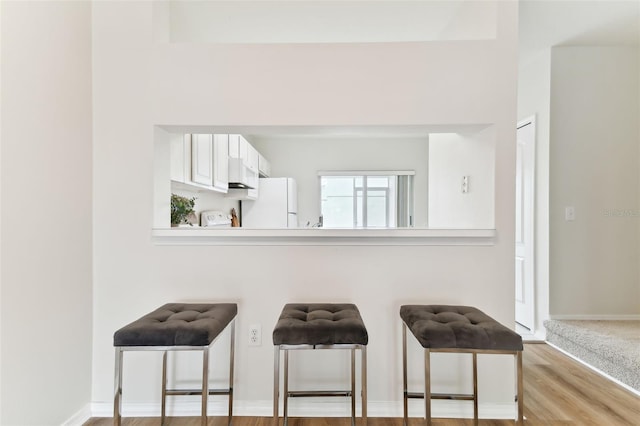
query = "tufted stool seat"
{"x": 177, "y": 327}
{"x": 319, "y": 326}
{"x": 438, "y": 326}
{"x": 463, "y": 329}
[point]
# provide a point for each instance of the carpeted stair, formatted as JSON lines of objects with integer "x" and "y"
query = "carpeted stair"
{"x": 610, "y": 346}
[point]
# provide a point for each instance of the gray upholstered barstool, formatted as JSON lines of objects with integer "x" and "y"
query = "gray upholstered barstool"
{"x": 457, "y": 329}
{"x": 178, "y": 327}
{"x": 320, "y": 326}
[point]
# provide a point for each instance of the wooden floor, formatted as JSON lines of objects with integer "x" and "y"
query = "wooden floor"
{"x": 557, "y": 391}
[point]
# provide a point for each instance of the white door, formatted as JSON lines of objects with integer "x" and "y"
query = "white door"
{"x": 525, "y": 192}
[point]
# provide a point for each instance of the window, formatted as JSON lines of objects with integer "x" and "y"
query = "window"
{"x": 366, "y": 199}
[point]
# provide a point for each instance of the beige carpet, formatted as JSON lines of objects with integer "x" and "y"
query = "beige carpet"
{"x": 611, "y": 346}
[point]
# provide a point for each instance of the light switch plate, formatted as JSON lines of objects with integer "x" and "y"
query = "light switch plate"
{"x": 569, "y": 214}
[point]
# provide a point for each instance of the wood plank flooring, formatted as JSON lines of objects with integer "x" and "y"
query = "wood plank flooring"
{"x": 558, "y": 391}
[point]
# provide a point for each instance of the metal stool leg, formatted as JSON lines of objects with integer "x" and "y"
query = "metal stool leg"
{"x": 353, "y": 387}
{"x": 232, "y": 351}
{"x": 163, "y": 409}
{"x": 405, "y": 395}
{"x": 276, "y": 383}
{"x": 520, "y": 380}
{"x": 117, "y": 400}
{"x": 363, "y": 383}
{"x": 205, "y": 384}
{"x": 475, "y": 389}
{"x": 427, "y": 385}
{"x": 285, "y": 392}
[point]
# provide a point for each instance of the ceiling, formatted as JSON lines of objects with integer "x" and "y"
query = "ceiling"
{"x": 548, "y": 23}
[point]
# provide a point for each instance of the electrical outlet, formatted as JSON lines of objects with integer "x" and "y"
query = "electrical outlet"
{"x": 255, "y": 335}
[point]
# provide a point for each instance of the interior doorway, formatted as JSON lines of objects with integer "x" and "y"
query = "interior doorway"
{"x": 525, "y": 223}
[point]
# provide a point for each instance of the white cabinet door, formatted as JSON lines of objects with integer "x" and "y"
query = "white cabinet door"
{"x": 253, "y": 157}
{"x": 264, "y": 167}
{"x": 234, "y": 146}
{"x": 239, "y": 148}
{"x": 221, "y": 162}
{"x": 210, "y": 161}
{"x": 245, "y": 151}
{"x": 180, "y": 158}
{"x": 202, "y": 159}
{"x": 253, "y": 161}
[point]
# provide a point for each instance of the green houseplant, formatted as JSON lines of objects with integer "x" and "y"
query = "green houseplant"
{"x": 181, "y": 207}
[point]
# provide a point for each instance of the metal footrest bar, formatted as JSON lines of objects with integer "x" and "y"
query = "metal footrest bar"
{"x": 450, "y": 396}
{"x": 318, "y": 393}
{"x": 187, "y": 392}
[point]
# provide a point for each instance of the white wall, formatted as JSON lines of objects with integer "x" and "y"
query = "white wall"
{"x": 534, "y": 92}
{"x": 452, "y": 156}
{"x": 324, "y": 22}
{"x": 46, "y": 212}
{"x": 302, "y": 158}
{"x": 138, "y": 85}
{"x": 594, "y": 166}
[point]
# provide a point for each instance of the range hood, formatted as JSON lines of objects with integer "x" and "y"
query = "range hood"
{"x": 239, "y": 185}
{"x": 241, "y": 176}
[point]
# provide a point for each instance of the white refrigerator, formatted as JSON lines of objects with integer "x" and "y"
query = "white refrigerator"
{"x": 276, "y": 206}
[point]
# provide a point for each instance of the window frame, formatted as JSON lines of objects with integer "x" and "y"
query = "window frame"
{"x": 364, "y": 190}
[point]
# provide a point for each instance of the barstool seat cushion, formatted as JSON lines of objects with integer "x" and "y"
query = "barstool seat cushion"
{"x": 320, "y": 324}
{"x": 458, "y": 327}
{"x": 178, "y": 324}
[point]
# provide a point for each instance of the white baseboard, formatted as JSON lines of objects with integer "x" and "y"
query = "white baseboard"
{"x": 597, "y": 370}
{"x": 540, "y": 335}
{"x": 532, "y": 337}
{"x": 631, "y": 317}
{"x": 186, "y": 407}
{"x": 79, "y": 418}
{"x": 440, "y": 409}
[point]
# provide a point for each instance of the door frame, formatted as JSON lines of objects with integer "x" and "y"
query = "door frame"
{"x": 531, "y": 120}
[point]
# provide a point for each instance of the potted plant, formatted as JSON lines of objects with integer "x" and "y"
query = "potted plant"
{"x": 181, "y": 208}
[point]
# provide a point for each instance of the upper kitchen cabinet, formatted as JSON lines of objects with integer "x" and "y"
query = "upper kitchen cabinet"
{"x": 254, "y": 158}
{"x": 181, "y": 158}
{"x": 244, "y": 162}
{"x": 221, "y": 161}
{"x": 209, "y": 161}
{"x": 264, "y": 167}
{"x": 239, "y": 148}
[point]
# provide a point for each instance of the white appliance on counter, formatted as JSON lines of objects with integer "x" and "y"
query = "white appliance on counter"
{"x": 276, "y": 206}
{"x": 215, "y": 219}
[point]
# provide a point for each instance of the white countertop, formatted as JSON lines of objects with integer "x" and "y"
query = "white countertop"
{"x": 322, "y": 236}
